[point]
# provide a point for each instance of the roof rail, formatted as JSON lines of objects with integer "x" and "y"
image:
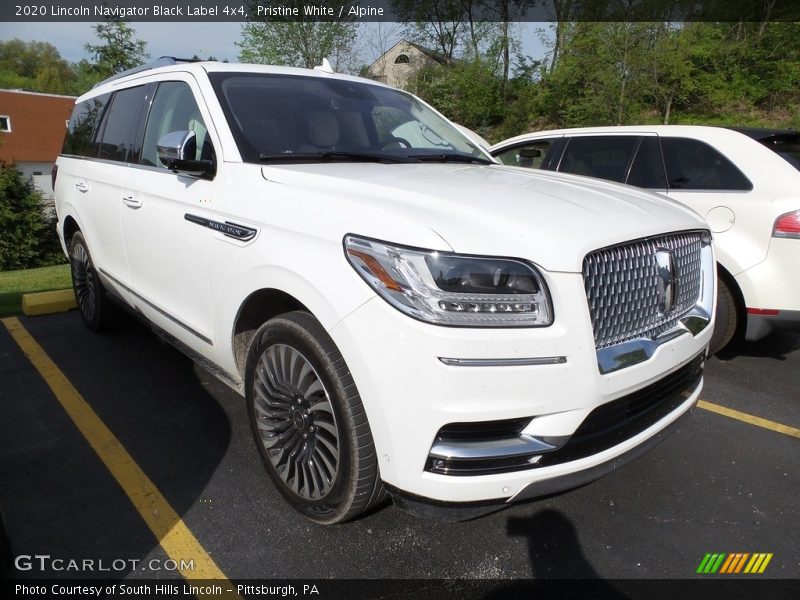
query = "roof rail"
{"x": 161, "y": 61}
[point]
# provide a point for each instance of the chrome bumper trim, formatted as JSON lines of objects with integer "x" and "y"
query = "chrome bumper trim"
{"x": 632, "y": 352}
{"x": 503, "y": 362}
{"x": 490, "y": 449}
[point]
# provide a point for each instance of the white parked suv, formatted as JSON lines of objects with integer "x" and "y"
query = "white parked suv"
{"x": 744, "y": 182}
{"x": 402, "y": 314}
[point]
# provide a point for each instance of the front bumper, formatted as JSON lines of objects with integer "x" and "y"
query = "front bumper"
{"x": 409, "y": 394}
{"x": 462, "y": 511}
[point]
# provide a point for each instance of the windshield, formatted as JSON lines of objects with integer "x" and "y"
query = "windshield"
{"x": 276, "y": 116}
{"x": 786, "y": 145}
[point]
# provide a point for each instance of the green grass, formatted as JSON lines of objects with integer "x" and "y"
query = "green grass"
{"x": 15, "y": 283}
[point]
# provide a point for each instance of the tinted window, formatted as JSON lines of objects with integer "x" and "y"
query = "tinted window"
{"x": 787, "y": 146}
{"x": 606, "y": 157}
{"x": 174, "y": 109}
{"x": 694, "y": 165}
{"x": 83, "y": 126}
{"x": 120, "y": 124}
{"x": 531, "y": 155}
{"x": 647, "y": 170}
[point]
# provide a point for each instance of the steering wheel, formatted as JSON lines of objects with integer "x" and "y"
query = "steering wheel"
{"x": 393, "y": 140}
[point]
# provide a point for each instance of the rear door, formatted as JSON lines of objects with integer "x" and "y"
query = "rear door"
{"x": 71, "y": 185}
{"x": 702, "y": 178}
{"x": 100, "y": 184}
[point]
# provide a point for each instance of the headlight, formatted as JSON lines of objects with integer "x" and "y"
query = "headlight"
{"x": 452, "y": 289}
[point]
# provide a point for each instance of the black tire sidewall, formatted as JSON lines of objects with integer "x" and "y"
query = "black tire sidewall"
{"x": 302, "y": 332}
{"x": 94, "y": 323}
{"x": 726, "y": 318}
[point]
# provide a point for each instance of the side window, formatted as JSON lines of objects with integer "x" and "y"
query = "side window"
{"x": 694, "y": 165}
{"x": 605, "y": 157}
{"x": 120, "y": 125}
{"x": 787, "y": 146}
{"x": 531, "y": 155}
{"x": 83, "y": 126}
{"x": 174, "y": 109}
{"x": 647, "y": 170}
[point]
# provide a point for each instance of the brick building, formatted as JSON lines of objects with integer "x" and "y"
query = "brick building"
{"x": 32, "y": 128}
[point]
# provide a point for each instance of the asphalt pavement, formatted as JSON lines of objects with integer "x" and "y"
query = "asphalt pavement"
{"x": 719, "y": 484}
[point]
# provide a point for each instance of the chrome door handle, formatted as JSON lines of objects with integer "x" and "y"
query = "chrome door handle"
{"x": 82, "y": 186}
{"x": 132, "y": 202}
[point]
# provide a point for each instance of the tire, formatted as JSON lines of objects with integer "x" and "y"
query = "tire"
{"x": 726, "y": 318}
{"x": 308, "y": 422}
{"x": 93, "y": 304}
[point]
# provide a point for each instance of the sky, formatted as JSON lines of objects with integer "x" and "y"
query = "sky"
{"x": 187, "y": 39}
{"x": 163, "y": 39}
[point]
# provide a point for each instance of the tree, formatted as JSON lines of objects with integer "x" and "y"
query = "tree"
{"x": 29, "y": 236}
{"x": 299, "y": 44}
{"x": 439, "y": 24}
{"x": 379, "y": 37}
{"x": 600, "y": 75}
{"x": 119, "y": 51}
{"x": 302, "y": 42}
{"x": 35, "y": 66}
{"x": 468, "y": 93}
{"x": 672, "y": 72}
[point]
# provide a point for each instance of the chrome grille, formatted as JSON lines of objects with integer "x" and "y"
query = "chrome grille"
{"x": 622, "y": 287}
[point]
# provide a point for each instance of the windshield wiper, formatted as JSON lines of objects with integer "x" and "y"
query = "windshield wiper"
{"x": 332, "y": 155}
{"x": 451, "y": 157}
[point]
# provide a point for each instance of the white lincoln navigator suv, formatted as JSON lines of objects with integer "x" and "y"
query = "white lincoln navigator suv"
{"x": 403, "y": 315}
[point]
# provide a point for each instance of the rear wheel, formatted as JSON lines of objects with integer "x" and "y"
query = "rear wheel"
{"x": 95, "y": 307}
{"x": 726, "y": 318}
{"x": 308, "y": 421}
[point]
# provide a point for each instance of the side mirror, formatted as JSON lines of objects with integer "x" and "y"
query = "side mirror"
{"x": 176, "y": 151}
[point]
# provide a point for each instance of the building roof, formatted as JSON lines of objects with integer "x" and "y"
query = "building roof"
{"x": 439, "y": 57}
{"x": 435, "y": 55}
{"x": 38, "y": 124}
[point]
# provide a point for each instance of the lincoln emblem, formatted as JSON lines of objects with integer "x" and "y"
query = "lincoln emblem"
{"x": 665, "y": 270}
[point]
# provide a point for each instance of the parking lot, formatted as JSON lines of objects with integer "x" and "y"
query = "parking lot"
{"x": 725, "y": 482}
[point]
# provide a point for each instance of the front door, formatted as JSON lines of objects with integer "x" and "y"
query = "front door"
{"x": 166, "y": 249}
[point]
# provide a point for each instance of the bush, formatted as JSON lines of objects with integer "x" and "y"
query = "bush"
{"x": 28, "y": 236}
{"x": 468, "y": 93}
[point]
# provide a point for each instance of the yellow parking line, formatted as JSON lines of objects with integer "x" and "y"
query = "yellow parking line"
{"x": 170, "y": 530}
{"x": 752, "y": 420}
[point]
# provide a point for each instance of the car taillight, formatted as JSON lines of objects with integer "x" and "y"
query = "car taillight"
{"x": 787, "y": 226}
{"x": 53, "y": 175}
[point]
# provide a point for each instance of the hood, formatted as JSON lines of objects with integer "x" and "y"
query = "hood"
{"x": 550, "y": 219}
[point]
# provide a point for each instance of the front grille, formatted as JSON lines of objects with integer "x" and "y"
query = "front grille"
{"x": 622, "y": 287}
{"x": 621, "y": 419}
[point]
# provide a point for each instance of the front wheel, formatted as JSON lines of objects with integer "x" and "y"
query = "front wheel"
{"x": 308, "y": 421}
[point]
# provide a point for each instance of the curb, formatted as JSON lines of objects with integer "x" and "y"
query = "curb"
{"x": 45, "y": 303}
